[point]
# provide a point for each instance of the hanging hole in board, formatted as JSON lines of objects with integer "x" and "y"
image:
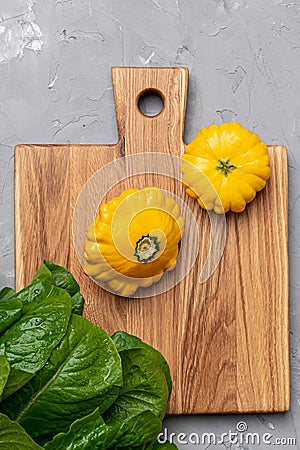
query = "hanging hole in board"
{"x": 150, "y": 103}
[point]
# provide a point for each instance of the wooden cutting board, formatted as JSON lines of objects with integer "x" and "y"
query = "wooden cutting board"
{"x": 226, "y": 340}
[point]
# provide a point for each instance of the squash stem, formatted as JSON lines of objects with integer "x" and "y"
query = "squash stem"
{"x": 225, "y": 166}
{"x": 146, "y": 248}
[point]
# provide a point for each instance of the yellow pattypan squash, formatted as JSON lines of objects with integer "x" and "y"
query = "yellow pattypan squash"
{"x": 133, "y": 240}
{"x": 224, "y": 167}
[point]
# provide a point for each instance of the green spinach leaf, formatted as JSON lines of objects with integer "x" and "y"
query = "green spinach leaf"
{"x": 10, "y": 312}
{"x": 29, "y": 342}
{"x": 125, "y": 341}
{"x": 61, "y": 277}
{"x": 7, "y": 293}
{"x": 77, "y": 303}
{"x": 14, "y": 437}
{"x": 83, "y": 372}
{"x": 144, "y": 389}
{"x": 59, "y": 373}
{"x": 91, "y": 432}
{"x": 16, "y": 380}
{"x": 4, "y": 372}
{"x": 140, "y": 430}
{"x": 35, "y": 293}
{"x": 57, "y": 275}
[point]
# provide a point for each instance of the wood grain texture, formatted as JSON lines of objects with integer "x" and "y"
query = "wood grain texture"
{"x": 42, "y": 208}
{"x": 226, "y": 340}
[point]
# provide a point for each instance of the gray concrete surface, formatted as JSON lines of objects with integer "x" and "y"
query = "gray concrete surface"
{"x": 244, "y": 61}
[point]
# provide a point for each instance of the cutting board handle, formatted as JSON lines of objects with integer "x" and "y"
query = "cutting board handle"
{"x": 140, "y": 133}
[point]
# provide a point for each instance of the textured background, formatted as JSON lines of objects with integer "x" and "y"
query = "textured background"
{"x": 244, "y": 61}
